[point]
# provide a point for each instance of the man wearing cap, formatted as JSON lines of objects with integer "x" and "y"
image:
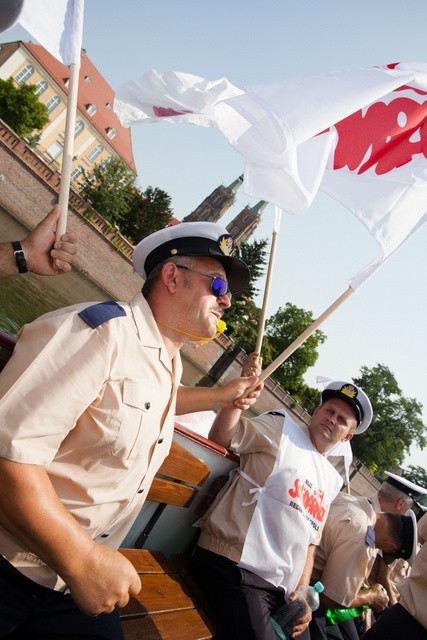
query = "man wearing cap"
{"x": 86, "y": 419}
{"x": 258, "y": 538}
{"x": 407, "y": 618}
{"x": 353, "y": 533}
{"x": 395, "y": 495}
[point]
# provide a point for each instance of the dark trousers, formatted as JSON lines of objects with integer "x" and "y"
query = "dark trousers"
{"x": 319, "y": 630}
{"x": 396, "y": 624}
{"x": 31, "y": 611}
{"x": 242, "y": 602}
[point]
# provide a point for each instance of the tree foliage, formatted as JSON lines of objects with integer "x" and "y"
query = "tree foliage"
{"x": 148, "y": 212}
{"x": 20, "y": 108}
{"x": 285, "y": 326}
{"x": 109, "y": 188}
{"x": 112, "y": 191}
{"x": 243, "y": 316}
{"x": 396, "y": 425}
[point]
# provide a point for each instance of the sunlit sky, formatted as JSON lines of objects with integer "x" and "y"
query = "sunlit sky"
{"x": 254, "y": 42}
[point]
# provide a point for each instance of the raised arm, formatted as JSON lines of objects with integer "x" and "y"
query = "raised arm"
{"x": 43, "y": 255}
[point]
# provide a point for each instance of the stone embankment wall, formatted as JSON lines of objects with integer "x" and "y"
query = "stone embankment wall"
{"x": 29, "y": 187}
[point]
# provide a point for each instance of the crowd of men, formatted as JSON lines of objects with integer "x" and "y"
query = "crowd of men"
{"x": 87, "y": 405}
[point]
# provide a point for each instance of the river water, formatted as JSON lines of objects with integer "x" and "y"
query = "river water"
{"x": 25, "y": 297}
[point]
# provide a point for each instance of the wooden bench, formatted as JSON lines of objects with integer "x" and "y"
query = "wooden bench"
{"x": 165, "y": 608}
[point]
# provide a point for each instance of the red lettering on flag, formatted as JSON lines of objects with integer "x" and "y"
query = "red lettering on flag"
{"x": 164, "y": 112}
{"x": 386, "y": 136}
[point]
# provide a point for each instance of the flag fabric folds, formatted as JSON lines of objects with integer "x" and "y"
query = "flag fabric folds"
{"x": 56, "y": 24}
{"x": 358, "y": 135}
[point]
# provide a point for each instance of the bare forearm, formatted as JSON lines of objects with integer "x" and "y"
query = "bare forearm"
{"x": 190, "y": 399}
{"x": 32, "y": 512}
{"x": 8, "y": 265}
{"x": 308, "y": 568}
{"x": 224, "y": 426}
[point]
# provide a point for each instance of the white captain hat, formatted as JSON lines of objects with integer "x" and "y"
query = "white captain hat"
{"x": 411, "y": 489}
{"x": 192, "y": 239}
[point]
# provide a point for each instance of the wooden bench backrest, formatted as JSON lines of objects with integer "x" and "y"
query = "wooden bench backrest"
{"x": 177, "y": 481}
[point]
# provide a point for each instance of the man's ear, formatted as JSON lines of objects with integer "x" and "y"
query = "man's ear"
{"x": 169, "y": 275}
{"x": 347, "y": 437}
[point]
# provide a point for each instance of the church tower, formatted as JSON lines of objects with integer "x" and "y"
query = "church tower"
{"x": 215, "y": 205}
{"x": 245, "y": 223}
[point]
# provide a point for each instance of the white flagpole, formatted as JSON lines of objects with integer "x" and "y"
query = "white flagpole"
{"x": 67, "y": 155}
{"x": 306, "y": 334}
{"x": 261, "y": 323}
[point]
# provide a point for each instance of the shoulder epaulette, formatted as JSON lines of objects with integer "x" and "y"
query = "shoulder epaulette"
{"x": 99, "y": 313}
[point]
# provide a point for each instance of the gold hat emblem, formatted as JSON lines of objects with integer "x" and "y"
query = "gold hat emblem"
{"x": 349, "y": 390}
{"x": 226, "y": 244}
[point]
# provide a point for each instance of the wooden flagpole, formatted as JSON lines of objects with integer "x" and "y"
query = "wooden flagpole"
{"x": 306, "y": 334}
{"x": 67, "y": 155}
{"x": 261, "y": 323}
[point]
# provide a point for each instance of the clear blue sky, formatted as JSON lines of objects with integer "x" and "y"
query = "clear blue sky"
{"x": 251, "y": 42}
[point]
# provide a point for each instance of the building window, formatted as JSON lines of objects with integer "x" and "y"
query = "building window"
{"x": 95, "y": 152}
{"x": 41, "y": 87}
{"x": 92, "y": 109}
{"x": 78, "y": 127}
{"x": 25, "y": 74}
{"x": 88, "y": 79}
{"x": 55, "y": 149}
{"x": 77, "y": 172}
{"x": 111, "y": 133}
{"x": 108, "y": 105}
{"x": 53, "y": 103}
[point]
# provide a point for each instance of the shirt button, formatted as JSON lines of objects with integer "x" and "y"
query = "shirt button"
{"x": 160, "y": 440}
{"x": 147, "y": 405}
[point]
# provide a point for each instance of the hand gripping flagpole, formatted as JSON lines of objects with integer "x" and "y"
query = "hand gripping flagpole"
{"x": 261, "y": 323}
{"x": 67, "y": 155}
{"x": 303, "y": 337}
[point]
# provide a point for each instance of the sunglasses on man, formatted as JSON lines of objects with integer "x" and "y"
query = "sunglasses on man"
{"x": 219, "y": 286}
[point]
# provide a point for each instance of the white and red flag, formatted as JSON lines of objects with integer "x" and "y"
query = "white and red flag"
{"x": 358, "y": 135}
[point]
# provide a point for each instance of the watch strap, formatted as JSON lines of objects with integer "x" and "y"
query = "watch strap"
{"x": 19, "y": 254}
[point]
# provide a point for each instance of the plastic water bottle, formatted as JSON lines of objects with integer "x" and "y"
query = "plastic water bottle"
{"x": 335, "y": 616}
{"x": 284, "y": 618}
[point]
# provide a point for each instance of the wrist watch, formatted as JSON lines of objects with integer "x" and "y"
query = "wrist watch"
{"x": 19, "y": 254}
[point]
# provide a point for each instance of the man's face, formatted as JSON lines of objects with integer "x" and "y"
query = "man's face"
{"x": 334, "y": 421}
{"x": 202, "y": 308}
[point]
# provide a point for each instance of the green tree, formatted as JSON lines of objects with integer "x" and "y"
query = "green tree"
{"x": 20, "y": 108}
{"x": 243, "y": 316}
{"x": 396, "y": 425}
{"x": 285, "y": 326}
{"x": 148, "y": 212}
{"x": 109, "y": 188}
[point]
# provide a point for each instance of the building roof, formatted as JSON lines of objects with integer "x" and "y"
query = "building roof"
{"x": 94, "y": 91}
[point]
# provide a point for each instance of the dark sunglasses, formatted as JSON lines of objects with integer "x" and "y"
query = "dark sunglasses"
{"x": 219, "y": 286}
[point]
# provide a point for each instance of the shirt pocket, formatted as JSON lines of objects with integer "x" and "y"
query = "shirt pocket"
{"x": 135, "y": 406}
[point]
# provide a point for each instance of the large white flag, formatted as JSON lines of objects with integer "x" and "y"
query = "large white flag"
{"x": 56, "y": 24}
{"x": 359, "y": 135}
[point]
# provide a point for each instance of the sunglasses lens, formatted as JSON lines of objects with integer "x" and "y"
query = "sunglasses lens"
{"x": 219, "y": 287}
